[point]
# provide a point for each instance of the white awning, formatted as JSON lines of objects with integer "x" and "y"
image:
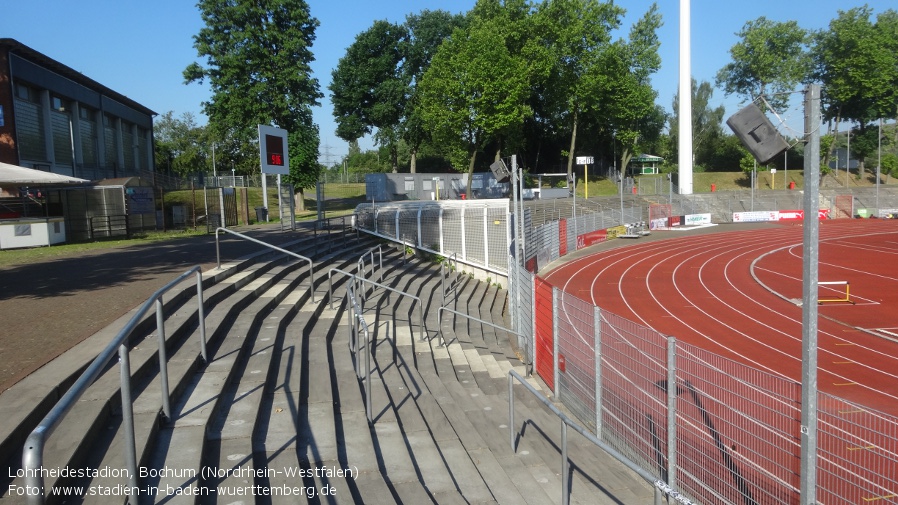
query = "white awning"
{"x": 14, "y": 175}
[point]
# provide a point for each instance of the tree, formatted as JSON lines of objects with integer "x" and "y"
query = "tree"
{"x": 769, "y": 61}
{"x": 706, "y": 122}
{"x": 855, "y": 62}
{"x": 426, "y": 32}
{"x": 473, "y": 92}
{"x": 628, "y": 99}
{"x": 258, "y": 55}
{"x": 369, "y": 88}
{"x": 573, "y": 34}
{"x": 180, "y": 144}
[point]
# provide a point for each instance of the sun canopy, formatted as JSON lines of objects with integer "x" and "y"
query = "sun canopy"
{"x": 14, "y": 175}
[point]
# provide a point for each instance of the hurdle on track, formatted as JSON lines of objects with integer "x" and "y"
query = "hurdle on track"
{"x": 845, "y": 296}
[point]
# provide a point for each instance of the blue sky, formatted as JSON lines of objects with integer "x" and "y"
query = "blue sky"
{"x": 140, "y": 48}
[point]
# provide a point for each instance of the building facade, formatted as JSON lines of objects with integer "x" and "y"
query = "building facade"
{"x": 55, "y": 119}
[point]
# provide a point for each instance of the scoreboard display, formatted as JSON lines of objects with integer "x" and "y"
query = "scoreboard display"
{"x": 273, "y": 150}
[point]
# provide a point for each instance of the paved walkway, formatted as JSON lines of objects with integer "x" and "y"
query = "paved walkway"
{"x": 49, "y": 306}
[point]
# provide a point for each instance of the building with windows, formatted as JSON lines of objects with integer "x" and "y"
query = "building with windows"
{"x": 56, "y": 119}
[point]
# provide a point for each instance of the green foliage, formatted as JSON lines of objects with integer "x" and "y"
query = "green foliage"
{"x": 889, "y": 164}
{"x": 769, "y": 60}
{"x": 856, "y": 60}
{"x": 368, "y": 87}
{"x": 474, "y": 90}
{"x": 180, "y": 144}
{"x": 258, "y": 55}
{"x": 375, "y": 84}
{"x": 707, "y": 121}
{"x": 747, "y": 163}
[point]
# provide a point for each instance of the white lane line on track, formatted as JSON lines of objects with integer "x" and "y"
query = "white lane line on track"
{"x": 584, "y": 267}
{"x": 797, "y": 301}
{"x": 626, "y": 302}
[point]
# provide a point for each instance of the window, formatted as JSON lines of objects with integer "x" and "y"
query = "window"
{"x": 24, "y": 92}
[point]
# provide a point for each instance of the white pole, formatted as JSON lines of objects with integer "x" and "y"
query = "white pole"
{"x": 264, "y": 191}
{"x": 878, "y": 164}
{"x": 848, "y": 158}
{"x": 685, "y": 124}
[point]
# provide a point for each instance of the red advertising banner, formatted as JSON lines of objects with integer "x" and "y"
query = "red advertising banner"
{"x": 791, "y": 215}
{"x": 593, "y": 237}
{"x": 798, "y": 215}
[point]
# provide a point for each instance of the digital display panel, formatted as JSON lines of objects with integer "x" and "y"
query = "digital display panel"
{"x": 274, "y": 146}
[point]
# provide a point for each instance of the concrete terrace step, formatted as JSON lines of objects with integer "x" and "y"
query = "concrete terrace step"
{"x": 238, "y": 432}
{"x": 51, "y": 381}
{"x": 229, "y": 395}
{"x": 147, "y": 402}
{"x": 100, "y": 403}
{"x": 280, "y": 405}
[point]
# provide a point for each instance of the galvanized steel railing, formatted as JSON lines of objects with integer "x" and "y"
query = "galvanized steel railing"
{"x": 566, "y": 421}
{"x": 276, "y": 248}
{"x": 472, "y": 318}
{"x": 33, "y": 452}
{"x": 361, "y": 280}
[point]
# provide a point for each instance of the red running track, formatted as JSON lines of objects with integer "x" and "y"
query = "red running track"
{"x": 737, "y": 294}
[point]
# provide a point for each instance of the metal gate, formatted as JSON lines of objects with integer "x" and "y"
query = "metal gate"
{"x": 229, "y": 201}
{"x": 287, "y": 204}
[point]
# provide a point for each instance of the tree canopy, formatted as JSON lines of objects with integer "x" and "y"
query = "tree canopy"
{"x": 258, "y": 55}
{"x": 770, "y": 61}
{"x": 510, "y": 76}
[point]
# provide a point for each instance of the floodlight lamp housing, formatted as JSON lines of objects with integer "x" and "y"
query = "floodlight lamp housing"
{"x": 500, "y": 171}
{"x": 757, "y": 133}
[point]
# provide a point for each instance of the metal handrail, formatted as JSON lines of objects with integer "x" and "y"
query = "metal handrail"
{"x": 276, "y": 248}
{"x": 370, "y": 252}
{"x": 659, "y": 486}
{"x": 357, "y": 320}
{"x": 472, "y": 318}
{"x": 33, "y": 452}
{"x": 454, "y": 284}
{"x": 357, "y": 279}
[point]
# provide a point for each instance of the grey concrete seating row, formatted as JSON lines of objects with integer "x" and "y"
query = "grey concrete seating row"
{"x": 278, "y": 415}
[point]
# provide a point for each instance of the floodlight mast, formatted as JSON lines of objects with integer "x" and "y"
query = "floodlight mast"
{"x": 685, "y": 101}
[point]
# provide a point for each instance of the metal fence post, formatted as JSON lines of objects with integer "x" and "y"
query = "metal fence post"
{"x": 420, "y": 237}
{"x": 486, "y": 238}
{"x": 532, "y": 315}
{"x": 440, "y": 223}
{"x": 597, "y": 331}
{"x": 555, "y": 372}
{"x": 127, "y": 415}
{"x": 201, "y": 313}
{"x": 464, "y": 242}
{"x": 565, "y": 467}
{"x": 396, "y": 221}
{"x": 672, "y": 412}
{"x": 163, "y": 359}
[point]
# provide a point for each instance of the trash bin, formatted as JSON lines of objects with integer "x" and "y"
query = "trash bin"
{"x": 261, "y": 214}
